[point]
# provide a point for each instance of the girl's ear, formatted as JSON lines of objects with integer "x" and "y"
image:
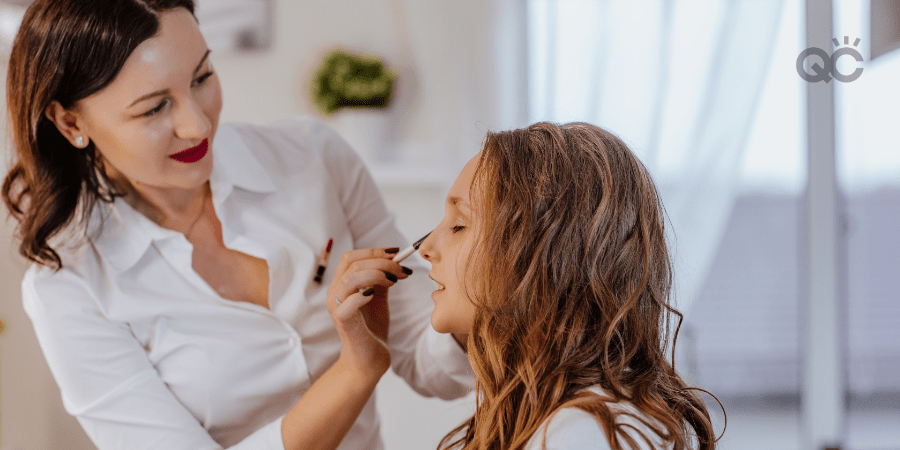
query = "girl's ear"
{"x": 68, "y": 123}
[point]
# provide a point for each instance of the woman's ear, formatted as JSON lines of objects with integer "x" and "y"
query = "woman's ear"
{"x": 68, "y": 123}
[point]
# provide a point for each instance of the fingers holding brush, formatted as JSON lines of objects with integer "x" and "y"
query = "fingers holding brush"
{"x": 367, "y": 271}
{"x": 403, "y": 254}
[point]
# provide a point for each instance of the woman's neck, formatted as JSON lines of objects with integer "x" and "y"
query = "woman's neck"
{"x": 173, "y": 208}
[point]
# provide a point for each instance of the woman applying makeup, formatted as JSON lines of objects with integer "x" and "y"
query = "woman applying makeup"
{"x": 552, "y": 257}
{"x": 173, "y": 288}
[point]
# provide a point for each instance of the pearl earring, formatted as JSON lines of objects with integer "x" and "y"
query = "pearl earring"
{"x": 79, "y": 141}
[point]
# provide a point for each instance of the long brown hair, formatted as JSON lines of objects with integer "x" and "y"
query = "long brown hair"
{"x": 571, "y": 278}
{"x": 65, "y": 50}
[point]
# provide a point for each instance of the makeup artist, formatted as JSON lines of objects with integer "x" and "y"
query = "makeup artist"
{"x": 173, "y": 285}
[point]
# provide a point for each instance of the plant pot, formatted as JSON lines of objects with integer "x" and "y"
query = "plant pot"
{"x": 366, "y": 129}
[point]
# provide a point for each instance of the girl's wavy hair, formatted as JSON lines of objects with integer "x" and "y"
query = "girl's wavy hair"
{"x": 571, "y": 278}
{"x": 65, "y": 50}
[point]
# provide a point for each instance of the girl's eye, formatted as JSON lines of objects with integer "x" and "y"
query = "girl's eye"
{"x": 201, "y": 79}
{"x": 157, "y": 109}
{"x": 457, "y": 228}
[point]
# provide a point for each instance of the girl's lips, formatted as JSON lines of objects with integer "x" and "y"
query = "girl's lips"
{"x": 192, "y": 154}
{"x": 438, "y": 286}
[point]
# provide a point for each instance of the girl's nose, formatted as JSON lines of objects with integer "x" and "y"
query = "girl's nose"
{"x": 427, "y": 249}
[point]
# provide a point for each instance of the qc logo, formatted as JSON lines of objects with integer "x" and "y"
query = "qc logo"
{"x": 830, "y": 70}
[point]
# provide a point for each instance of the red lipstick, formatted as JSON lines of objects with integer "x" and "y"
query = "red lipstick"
{"x": 192, "y": 154}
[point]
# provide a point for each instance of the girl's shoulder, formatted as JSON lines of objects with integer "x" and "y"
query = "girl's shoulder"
{"x": 573, "y": 428}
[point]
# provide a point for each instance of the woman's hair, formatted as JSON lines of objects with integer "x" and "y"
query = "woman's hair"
{"x": 65, "y": 50}
{"x": 571, "y": 279}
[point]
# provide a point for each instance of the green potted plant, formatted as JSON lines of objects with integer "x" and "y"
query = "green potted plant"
{"x": 346, "y": 80}
{"x": 352, "y": 91}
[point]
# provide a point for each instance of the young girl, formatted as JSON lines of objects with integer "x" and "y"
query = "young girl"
{"x": 552, "y": 256}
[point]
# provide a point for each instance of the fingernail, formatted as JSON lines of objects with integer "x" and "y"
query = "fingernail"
{"x": 368, "y": 292}
{"x": 391, "y": 277}
{"x": 406, "y": 270}
{"x": 392, "y": 250}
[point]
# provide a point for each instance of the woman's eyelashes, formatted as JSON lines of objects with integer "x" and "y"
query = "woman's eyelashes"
{"x": 157, "y": 109}
{"x": 457, "y": 228}
{"x": 197, "y": 82}
{"x": 201, "y": 79}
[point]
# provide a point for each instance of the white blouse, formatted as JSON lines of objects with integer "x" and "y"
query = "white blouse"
{"x": 148, "y": 356}
{"x": 576, "y": 429}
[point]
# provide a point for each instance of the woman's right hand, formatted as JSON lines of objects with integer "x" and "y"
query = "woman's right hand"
{"x": 357, "y": 302}
{"x": 325, "y": 412}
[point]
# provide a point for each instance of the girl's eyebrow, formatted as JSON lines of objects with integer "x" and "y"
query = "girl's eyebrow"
{"x": 457, "y": 201}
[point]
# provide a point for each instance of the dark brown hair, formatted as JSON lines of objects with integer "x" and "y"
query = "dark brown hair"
{"x": 571, "y": 278}
{"x": 65, "y": 50}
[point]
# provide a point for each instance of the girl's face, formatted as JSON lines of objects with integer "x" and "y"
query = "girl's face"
{"x": 447, "y": 248}
{"x": 154, "y": 124}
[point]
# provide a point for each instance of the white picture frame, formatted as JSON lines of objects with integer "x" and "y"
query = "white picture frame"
{"x": 235, "y": 25}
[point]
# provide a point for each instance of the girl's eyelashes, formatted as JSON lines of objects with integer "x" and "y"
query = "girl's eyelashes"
{"x": 201, "y": 79}
{"x": 457, "y": 228}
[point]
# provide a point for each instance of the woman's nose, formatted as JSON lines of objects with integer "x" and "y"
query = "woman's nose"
{"x": 191, "y": 121}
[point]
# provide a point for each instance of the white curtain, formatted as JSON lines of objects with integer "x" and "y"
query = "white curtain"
{"x": 678, "y": 81}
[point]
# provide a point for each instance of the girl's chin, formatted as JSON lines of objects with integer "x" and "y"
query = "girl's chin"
{"x": 441, "y": 325}
{"x": 438, "y": 326}
{"x": 444, "y": 326}
{"x": 451, "y": 315}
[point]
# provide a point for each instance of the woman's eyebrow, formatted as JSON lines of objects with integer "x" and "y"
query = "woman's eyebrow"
{"x": 166, "y": 91}
{"x": 202, "y": 60}
{"x": 148, "y": 96}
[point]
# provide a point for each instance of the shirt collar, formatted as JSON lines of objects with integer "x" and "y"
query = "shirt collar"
{"x": 122, "y": 235}
{"x": 234, "y": 164}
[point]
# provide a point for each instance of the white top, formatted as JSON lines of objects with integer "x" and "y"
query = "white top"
{"x": 576, "y": 429}
{"x": 148, "y": 356}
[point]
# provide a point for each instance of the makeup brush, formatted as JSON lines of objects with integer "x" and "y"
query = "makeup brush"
{"x": 403, "y": 254}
